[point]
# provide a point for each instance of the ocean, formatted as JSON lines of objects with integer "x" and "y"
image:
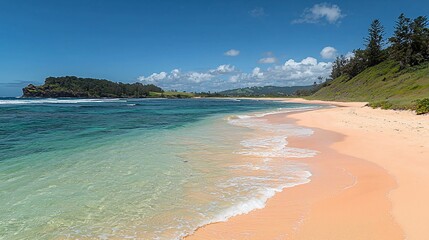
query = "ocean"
{"x": 139, "y": 168}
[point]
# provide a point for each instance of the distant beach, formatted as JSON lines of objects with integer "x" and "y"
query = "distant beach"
{"x": 368, "y": 179}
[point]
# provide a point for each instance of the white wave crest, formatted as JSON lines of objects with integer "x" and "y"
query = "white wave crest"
{"x": 259, "y": 200}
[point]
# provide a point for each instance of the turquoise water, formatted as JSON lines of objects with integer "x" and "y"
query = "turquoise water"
{"x": 137, "y": 168}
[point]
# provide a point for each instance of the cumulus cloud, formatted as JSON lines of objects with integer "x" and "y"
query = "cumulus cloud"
{"x": 257, "y": 12}
{"x": 256, "y": 73}
{"x": 328, "y": 53}
{"x": 349, "y": 55}
{"x": 175, "y": 76}
{"x": 232, "y": 53}
{"x": 154, "y": 77}
{"x": 197, "y": 77}
{"x": 222, "y": 69}
{"x": 322, "y": 12}
{"x": 302, "y": 72}
{"x": 290, "y": 73}
{"x": 177, "y": 79}
{"x": 234, "y": 78}
{"x": 268, "y": 60}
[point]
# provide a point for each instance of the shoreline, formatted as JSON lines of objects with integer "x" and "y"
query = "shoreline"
{"x": 353, "y": 194}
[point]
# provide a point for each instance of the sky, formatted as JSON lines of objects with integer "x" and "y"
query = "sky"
{"x": 185, "y": 45}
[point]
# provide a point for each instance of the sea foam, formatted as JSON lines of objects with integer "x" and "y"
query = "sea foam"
{"x": 271, "y": 177}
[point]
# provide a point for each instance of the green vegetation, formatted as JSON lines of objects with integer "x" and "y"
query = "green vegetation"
{"x": 384, "y": 85}
{"x": 395, "y": 77}
{"x": 171, "y": 94}
{"x": 410, "y": 42}
{"x": 422, "y": 106}
{"x": 71, "y": 86}
{"x": 374, "y": 44}
{"x": 267, "y": 91}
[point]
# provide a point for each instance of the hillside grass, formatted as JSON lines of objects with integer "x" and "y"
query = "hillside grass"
{"x": 168, "y": 94}
{"x": 383, "y": 85}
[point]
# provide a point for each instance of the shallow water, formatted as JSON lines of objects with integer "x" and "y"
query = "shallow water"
{"x": 138, "y": 168}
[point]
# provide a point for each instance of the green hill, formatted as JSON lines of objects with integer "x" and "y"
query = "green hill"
{"x": 267, "y": 91}
{"x": 393, "y": 77}
{"x": 383, "y": 85}
{"x": 71, "y": 86}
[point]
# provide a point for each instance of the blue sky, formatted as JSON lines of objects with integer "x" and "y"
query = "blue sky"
{"x": 185, "y": 45}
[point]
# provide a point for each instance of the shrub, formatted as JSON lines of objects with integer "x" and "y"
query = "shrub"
{"x": 422, "y": 106}
{"x": 381, "y": 104}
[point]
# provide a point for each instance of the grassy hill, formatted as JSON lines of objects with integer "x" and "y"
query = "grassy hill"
{"x": 267, "y": 91}
{"x": 383, "y": 85}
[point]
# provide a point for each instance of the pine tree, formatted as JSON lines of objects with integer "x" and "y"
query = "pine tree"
{"x": 374, "y": 43}
{"x": 356, "y": 64}
{"x": 401, "y": 41}
{"x": 410, "y": 42}
{"x": 419, "y": 40}
{"x": 338, "y": 66}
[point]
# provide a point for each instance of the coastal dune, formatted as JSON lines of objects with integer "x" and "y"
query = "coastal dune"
{"x": 369, "y": 180}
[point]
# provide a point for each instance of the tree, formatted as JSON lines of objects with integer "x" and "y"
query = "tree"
{"x": 356, "y": 64}
{"x": 338, "y": 66}
{"x": 410, "y": 41}
{"x": 401, "y": 41}
{"x": 374, "y": 43}
{"x": 350, "y": 66}
{"x": 419, "y": 40}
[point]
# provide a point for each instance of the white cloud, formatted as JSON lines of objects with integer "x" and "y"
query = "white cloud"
{"x": 306, "y": 61}
{"x": 222, "y": 69}
{"x": 257, "y": 12}
{"x": 322, "y": 12}
{"x": 226, "y": 76}
{"x": 175, "y": 73}
{"x": 350, "y": 55}
{"x": 199, "y": 77}
{"x": 177, "y": 79}
{"x": 328, "y": 53}
{"x": 232, "y": 53}
{"x": 234, "y": 78}
{"x": 256, "y": 73}
{"x": 154, "y": 77}
{"x": 268, "y": 60}
{"x": 304, "y": 72}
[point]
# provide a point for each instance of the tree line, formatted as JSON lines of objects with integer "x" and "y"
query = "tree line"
{"x": 409, "y": 46}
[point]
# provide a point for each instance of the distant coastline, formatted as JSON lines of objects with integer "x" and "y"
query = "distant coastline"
{"x": 76, "y": 87}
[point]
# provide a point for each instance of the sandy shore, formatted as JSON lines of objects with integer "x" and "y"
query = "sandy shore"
{"x": 370, "y": 180}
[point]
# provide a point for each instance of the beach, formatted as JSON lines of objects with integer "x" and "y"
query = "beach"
{"x": 369, "y": 179}
{"x": 230, "y": 169}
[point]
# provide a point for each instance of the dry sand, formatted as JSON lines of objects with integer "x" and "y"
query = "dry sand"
{"x": 370, "y": 180}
